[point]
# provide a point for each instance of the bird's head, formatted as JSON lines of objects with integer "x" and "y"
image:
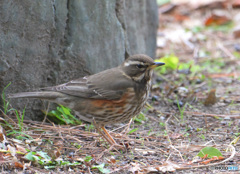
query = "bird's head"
{"x": 139, "y": 67}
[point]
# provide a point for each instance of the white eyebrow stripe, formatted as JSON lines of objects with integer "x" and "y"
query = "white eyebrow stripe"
{"x": 128, "y": 63}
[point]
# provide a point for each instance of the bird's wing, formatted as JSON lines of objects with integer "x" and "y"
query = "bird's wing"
{"x": 104, "y": 85}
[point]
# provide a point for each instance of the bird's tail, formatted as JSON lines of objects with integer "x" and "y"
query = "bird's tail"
{"x": 46, "y": 95}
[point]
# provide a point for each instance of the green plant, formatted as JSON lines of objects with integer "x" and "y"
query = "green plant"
{"x": 62, "y": 115}
{"x": 149, "y": 132}
{"x": 88, "y": 158}
{"x": 140, "y": 118}
{"x": 165, "y": 133}
{"x": 181, "y": 110}
{"x": 224, "y": 28}
{"x": 236, "y": 54}
{"x": 45, "y": 160}
{"x": 202, "y": 136}
{"x": 210, "y": 152}
{"x": 20, "y": 118}
{"x": 18, "y": 132}
{"x": 133, "y": 130}
{"x": 186, "y": 134}
{"x": 101, "y": 168}
{"x": 89, "y": 127}
{"x": 230, "y": 123}
{"x": 11, "y": 129}
{"x": 5, "y": 102}
{"x": 78, "y": 146}
{"x": 196, "y": 29}
{"x": 171, "y": 63}
{"x": 199, "y": 129}
{"x": 162, "y": 124}
{"x": 237, "y": 134}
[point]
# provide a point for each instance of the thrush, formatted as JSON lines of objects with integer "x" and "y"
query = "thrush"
{"x": 111, "y": 96}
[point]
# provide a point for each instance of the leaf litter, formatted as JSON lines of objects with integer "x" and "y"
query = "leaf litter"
{"x": 191, "y": 118}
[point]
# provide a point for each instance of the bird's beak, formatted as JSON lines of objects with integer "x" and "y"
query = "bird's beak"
{"x": 156, "y": 64}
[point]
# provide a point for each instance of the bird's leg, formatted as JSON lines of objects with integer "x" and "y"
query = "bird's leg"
{"x": 105, "y": 135}
{"x": 113, "y": 142}
{"x": 109, "y": 136}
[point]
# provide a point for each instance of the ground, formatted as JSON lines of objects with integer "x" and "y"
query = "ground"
{"x": 194, "y": 106}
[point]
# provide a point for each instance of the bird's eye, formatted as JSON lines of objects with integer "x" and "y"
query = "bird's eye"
{"x": 140, "y": 66}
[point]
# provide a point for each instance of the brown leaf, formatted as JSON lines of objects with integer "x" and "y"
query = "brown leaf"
{"x": 180, "y": 17}
{"x": 57, "y": 153}
{"x": 168, "y": 166}
{"x": 2, "y": 134}
{"x": 112, "y": 160}
{"x": 135, "y": 168}
{"x": 175, "y": 135}
{"x": 18, "y": 165}
{"x": 20, "y": 149}
{"x": 215, "y": 19}
{"x": 211, "y": 98}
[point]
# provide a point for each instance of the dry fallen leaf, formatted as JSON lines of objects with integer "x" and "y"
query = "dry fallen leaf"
{"x": 211, "y": 98}
{"x": 18, "y": 165}
{"x": 21, "y": 148}
{"x": 112, "y": 160}
{"x": 216, "y": 19}
{"x": 135, "y": 168}
{"x": 2, "y": 134}
{"x": 168, "y": 166}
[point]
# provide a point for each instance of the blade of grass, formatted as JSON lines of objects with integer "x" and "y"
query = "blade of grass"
{"x": 5, "y": 102}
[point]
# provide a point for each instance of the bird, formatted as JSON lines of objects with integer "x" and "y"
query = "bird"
{"x": 110, "y": 96}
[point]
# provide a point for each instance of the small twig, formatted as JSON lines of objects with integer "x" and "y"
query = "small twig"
{"x": 195, "y": 53}
{"x": 107, "y": 151}
{"x": 45, "y": 117}
{"x": 208, "y": 142}
{"x": 226, "y": 51}
{"x": 124, "y": 132}
{"x": 177, "y": 151}
{"x": 89, "y": 170}
{"x": 211, "y": 115}
{"x": 6, "y": 116}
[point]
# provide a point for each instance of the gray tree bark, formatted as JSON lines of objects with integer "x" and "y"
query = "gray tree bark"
{"x": 48, "y": 42}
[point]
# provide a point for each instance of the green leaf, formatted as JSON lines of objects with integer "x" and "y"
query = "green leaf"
{"x": 171, "y": 63}
{"x": 101, "y": 168}
{"x": 49, "y": 167}
{"x": 162, "y": 124}
{"x": 224, "y": 28}
{"x": 138, "y": 120}
{"x": 88, "y": 158}
{"x": 31, "y": 156}
{"x": 133, "y": 130}
{"x": 66, "y": 110}
{"x": 210, "y": 151}
{"x": 197, "y": 29}
{"x": 63, "y": 116}
{"x": 5, "y": 102}
{"x": 44, "y": 155}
